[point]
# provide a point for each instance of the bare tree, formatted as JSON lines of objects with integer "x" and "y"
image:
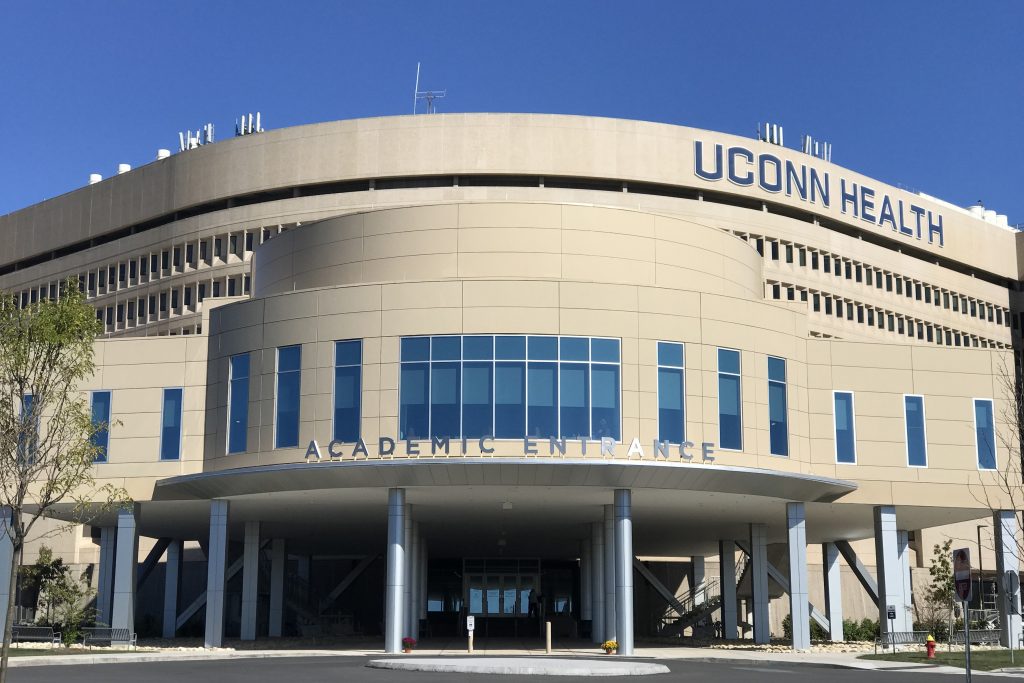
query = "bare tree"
{"x": 47, "y": 435}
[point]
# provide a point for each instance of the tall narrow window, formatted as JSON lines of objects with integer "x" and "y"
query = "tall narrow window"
{"x": 445, "y": 386}
{"x": 286, "y": 426}
{"x": 604, "y": 387}
{"x": 348, "y": 375}
{"x": 101, "y": 425}
{"x": 985, "y": 433}
{"x": 778, "y": 422}
{"x": 510, "y": 387}
{"x": 414, "y": 404}
{"x": 730, "y": 420}
{"x": 846, "y": 438}
{"x": 574, "y": 383}
{"x": 917, "y": 450}
{"x": 477, "y": 386}
{"x": 28, "y": 438}
{"x": 238, "y": 403}
{"x": 671, "y": 392}
{"x": 542, "y": 387}
{"x": 170, "y": 425}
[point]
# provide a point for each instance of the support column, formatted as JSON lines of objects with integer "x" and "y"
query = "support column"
{"x": 624, "y": 570}
{"x": 6, "y": 561}
{"x": 250, "y": 580}
{"x": 799, "y": 609}
{"x": 172, "y": 585}
{"x": 393, "y": 615}
{"x": 216, "y": 573}
{"x": 278, "y": 558}
{"x": 127, "y": 558}
{"x": 423, "y": 577}
{"x": 759, "y": 582}
{"x": 609, "y": 572}
{"x": 727, "y": 581}
{"x": 697, "y": 575}
{"x": 105, "y": 580}
{"x": 833, "y": 591}
{"x": 887, "y": 561}
{"x": 410, "y": 573}
{"x": 1005, "y": 530}
{"x": 597, "y": 581}
{"x": 586, "y": 599}
{"x": 905, "y": 610}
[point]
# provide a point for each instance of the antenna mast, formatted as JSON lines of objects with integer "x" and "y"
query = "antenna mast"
{"x": 428, "y": 95}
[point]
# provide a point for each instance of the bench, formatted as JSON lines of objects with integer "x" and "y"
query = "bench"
{"x": 102, "y": 635}
{"x": 901, "y": 638}
{"x": 978, "y": 637}
{"x": 37, "y": 634}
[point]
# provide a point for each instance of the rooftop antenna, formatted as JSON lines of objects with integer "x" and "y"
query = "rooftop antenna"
{"x": 428, "y": 95}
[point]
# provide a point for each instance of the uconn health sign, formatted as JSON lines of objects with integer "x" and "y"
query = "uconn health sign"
{"x": 746, "y": 168}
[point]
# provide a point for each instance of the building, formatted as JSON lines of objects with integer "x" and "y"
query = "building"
{"x": 530, "y": 368}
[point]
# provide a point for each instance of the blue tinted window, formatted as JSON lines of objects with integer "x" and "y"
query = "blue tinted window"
{"x": 730, "y": 417}
{"x": 605, "y": 392}
{"x": 446, "y": 348}
{"x": 348, "y": 379}
{"x": 670, "y": 354}
{"x": 542, "y": 403}
{"x": 917, "y": 450}
{"x": 101, "y": 422}
{"x": 846, "y": 441}
{"x": 604, "y": 350}
{"x": 574, "y": 348}
{"x": 415, "y": 348}
{"x": 778, "y": 419}
{"x": 170, "y": 425}
{"x": 729, "y": 361}
{"x": 985, "y": 434}
{"x": 574, "y": 400}
{"x": 444, "y": 400}
{"x": 28, "y": 439}
{"x": 510, "y": 348}
{"x": 670, "y": 405}
{"x": 509, "y": 400}
{"x": 477, "y": 348}
{"x": 238, "y": 403}
{"x": 289, "y": 362}
{"x": 543, "y": 348}
{"x": 477, "y": 406}
{"x": 414, "y": 408}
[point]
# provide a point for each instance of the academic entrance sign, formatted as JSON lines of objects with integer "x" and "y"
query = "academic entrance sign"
{"x": 962, "y": 573}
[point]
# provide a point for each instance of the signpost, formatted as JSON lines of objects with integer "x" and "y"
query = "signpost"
{"x": 470, "y": 627}
{"x": 1011, "y": 584}
{"x": 890, "y": 615}
{"x": 962, "y": 583}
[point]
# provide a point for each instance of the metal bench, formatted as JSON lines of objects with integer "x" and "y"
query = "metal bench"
{"x": 36, "y": 634}
{"x": 900, "y": 638}
{"x": 102, "y": 635}
{"x": 978, "y": 637}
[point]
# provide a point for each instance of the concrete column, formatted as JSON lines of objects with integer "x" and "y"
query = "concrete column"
{"x": 127, "y": 558}
{"x": 905, "y": 611}
{"x": 759, "y": 582}
{"x": 597, "y": 581}
{"x": 833, "y": 591}
{"x": 799, "y": 610}
{"x": 216, "y": 573}
{"x": 624, "y": 570}
{"x": 887, "y": 561}
{"x": 172, "y": 584}
{"x": 586, "y": 598}
{"x": 250, "y": 580}
{"x": 105, "y": 580}
{"x": 727, "y": 581}
{"x": 6, "y": 563}
{"x": 1005, "y": 530}
{"x": 395, "y": 597}
{"x": 278, "y": 558}
{"x": 423, "y": 577}
{"x": 697, "y": 575}
{"x": 609, "y": 572}
{"x": 410, "y": 575}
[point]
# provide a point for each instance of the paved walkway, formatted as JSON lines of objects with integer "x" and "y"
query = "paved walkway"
{"x": 527, "y": 666}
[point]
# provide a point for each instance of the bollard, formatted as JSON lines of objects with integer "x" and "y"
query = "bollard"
{"x": 547, "y": 637}
{"x": 470, "y": 642}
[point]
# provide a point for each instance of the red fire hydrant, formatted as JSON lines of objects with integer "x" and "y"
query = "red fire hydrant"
{"x": 929, "y": 644}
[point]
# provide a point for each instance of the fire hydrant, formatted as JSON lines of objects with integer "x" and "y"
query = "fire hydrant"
{"x": 929, "y": 644}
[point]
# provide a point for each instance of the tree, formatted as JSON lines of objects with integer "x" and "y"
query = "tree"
{"x": 935, "y": 611}
{"x": 63, "y": 596}
{"x": 47, "y": 435}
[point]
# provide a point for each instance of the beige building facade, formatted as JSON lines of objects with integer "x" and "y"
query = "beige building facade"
{"x": 379, "y": 376}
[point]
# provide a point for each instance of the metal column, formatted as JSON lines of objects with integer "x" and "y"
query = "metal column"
{"x": 410, "y": 574}
{"x": 586, "y": 598}
{"x": 250, "y": 580}
{"x": 105, "y": 582}
{"x": 624, "y": 571}
{"x": 172, "y": 586}
{"x": 597, "y": 580}
{"x": 394, "y": 614}
{"x": 216, "y": 573}
{"x": 759, "y": 582}
{"x": 423, "y": 576}
{"x": 278, "y": 558}
{"x": 727, "y": 581}
{"x": 1005, "y": 529}
{"x": 609, "y": 572}
{"x": 122, "y": 614}
{"x": 887, "y": 561}
{"x": 904, "y": 611}
{"x": 833, "y": 591}
{"x": 799, "y": 610}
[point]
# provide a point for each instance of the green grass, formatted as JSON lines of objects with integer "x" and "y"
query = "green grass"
{"x": 38, "y": 651}
{"x": 981, "y": 660}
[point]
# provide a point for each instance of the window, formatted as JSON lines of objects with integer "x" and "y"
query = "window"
{"x": 814, "y": 260}
{"x": 778, "y": 427}
{"x": 888, "y": 282}
{"x": 846, "y": 441}
{"x": 101, "y": 425}
{"x": 238, "y": 403}
{"x": 917, "y": 450}
{"x": 348, "y": 361}
{"x": 789, "y": 253}
{"x": 509, "y": 387}
{"x": 985, "y": 433}
{"x": 28, "y": 438}
{"x": 286, "y": 427}
{"x": 170, "y": 425}
{"x": 730, "y": 419}
{"x": 671, "y": 392}
{"x": 775, "y": 250}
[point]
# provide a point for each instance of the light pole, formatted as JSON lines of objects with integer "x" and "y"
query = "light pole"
{"x": 981, "y": 581}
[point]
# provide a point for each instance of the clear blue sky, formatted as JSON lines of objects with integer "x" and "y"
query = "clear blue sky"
{"x": 927, "y": 94}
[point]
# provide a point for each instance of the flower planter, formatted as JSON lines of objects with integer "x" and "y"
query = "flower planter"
{"x": 407, "y": 650}
{"x": 611, "y": 652}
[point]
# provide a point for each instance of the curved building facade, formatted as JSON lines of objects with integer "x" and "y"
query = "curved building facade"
{"x": 392, "y": 373}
